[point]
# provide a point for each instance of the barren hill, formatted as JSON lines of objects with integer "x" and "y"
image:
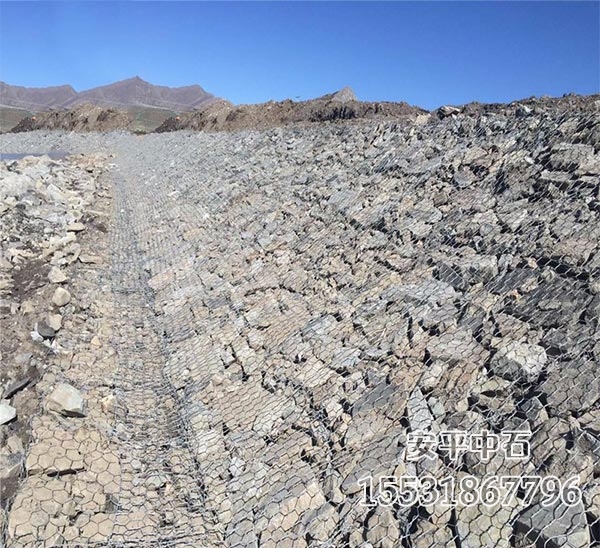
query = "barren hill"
{"x": 342, "y": 105}
{"x": 123, "y": 94}
{"x": 83, "y": 117}
{"x": 35, "y": 99}
{"x": 138, "y": 92}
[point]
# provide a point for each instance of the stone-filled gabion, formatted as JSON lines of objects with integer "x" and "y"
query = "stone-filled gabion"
{"x": 273, "y": 316}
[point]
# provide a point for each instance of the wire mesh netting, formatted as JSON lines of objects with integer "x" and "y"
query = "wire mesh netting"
{"x": 365, "y": 335}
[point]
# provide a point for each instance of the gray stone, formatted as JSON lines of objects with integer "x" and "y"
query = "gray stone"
{"x": 54, "y": 321}
{"x": 430, "y": 291}
{"x": 344, "y": 95}
{"x": 515, "y": 360}
{"x": 572, "y": 386}
{"x": 419, "y": 414}
{"x": 428, "y": 535}
{"x": 389, "y": 399}
{"x": 319, "y": 524}
{"x": 447, "y": 110}
{"x": 456, "y": 345}
{"x": 75, "y": 227}
{"x": 56, "y": 275}
{"x": 572, "y": 157}
{"x": 554, "y": 303}
{"x": 486, "y": 525}
{"x": 66, "y": 400}
{"x": 463, "y": 178}
{"x": 45, "y": 330}
{"x": 61, "y": 297}
{"x": 383, "y": 529}
{"x": 555, "y": 526}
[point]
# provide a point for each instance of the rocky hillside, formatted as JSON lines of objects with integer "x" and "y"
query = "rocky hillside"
{"x": 81, "y": 118}
{"x": 94, "y": 118}
{"x": 342, "y": 105}
{"x": 272, "y": 316}
{"x": 208, "y": 114}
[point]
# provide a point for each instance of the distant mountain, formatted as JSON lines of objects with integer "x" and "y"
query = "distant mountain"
{"x": 126, "y": 94}
{"x": 35, "y": 99}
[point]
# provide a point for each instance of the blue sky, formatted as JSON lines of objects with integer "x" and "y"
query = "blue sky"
{"x": 425, "y": 53}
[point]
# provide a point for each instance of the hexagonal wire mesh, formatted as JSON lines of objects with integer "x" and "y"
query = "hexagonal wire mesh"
{"x": 326, "y": 334}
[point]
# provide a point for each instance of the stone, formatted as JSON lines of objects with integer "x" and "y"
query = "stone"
{"x": 287, "y": 503}
{"x": 486, "y": 525}
{"x": 514, "y": 360}
{"x": 15, "y": 185}
{"x": 420, "y": 417}
{"x": 389, "y": 399}
{"x": 382, "y": 457}
{"x": 54, "y": 321}
{"x": 430, "y": 291}
{"x": 428, "y": 535}
{"x": 16, "y": 386}
{"x": 572, "y": 386}
{"x": 56, "y": 275}
{"x": 455, "y": 384}
{"x": 523, "y": 110}
{"x": 554, "y": 303}
{"x": 591, "y": 420}
{"x": 383, "y": 529}
{"x": 535, "y": 412}
{"x": 364, "y": 427}
{"x": 319, "y": 524}
{"x": 10, "y": 474}
{"x": 456, "y": 346}
{"x": 447, "y": 110}
{"x": 90, "y": 259}
{"x": 572, "y": 462}
{"x": 554, "y": 526}
{"x": 331, "y": 488}
{"x": 549, "y": 440}
{"x": 571, "y": 157}
{"x": 51, "y": 457}
{"x": 75, "y": 227}
{"x": 463, "y": 178}
{"x": 463, "y": 272}
{"x": 7, "y": 412}
{"x": 318, "y": 291}
{"x": 61, "y": 297}
{"x": 45, "y": 330}
{"x": 66, "y": 400}
{"x": 591, "y": 499}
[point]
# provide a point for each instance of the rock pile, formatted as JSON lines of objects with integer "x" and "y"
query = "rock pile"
{"x": 48, "y": 224}
{"x": 80, "y": 118}
{"x": 343, "y": 105}
{"x": 299, "y": 301}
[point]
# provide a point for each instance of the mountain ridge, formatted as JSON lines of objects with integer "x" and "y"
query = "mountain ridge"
{"x": 128, "y": 93}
